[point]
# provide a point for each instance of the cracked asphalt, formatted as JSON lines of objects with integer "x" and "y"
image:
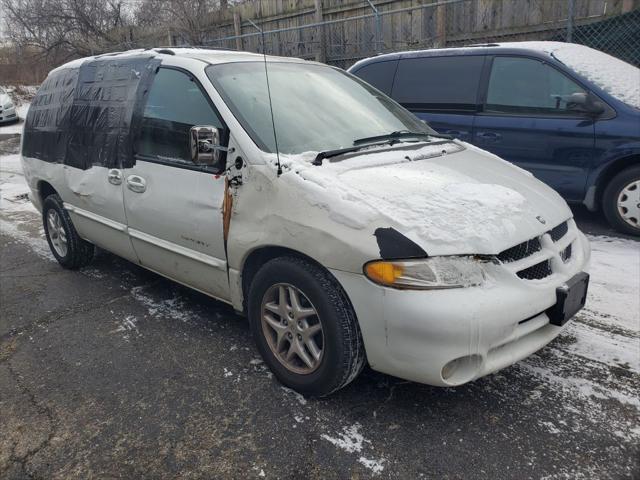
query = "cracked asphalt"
{"x": 115, "y": 372}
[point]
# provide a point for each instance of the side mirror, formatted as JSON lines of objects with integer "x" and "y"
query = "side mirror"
{"x": 585, "y": 102}
{"x": 205, "y": 145}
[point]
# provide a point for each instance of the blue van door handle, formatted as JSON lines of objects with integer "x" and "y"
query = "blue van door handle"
{"x": 456, "y": 133}
{"x": 489, "y": 136}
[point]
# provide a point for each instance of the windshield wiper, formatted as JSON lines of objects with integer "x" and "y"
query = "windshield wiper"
{"x": 394, "y": 137}
{"x": 388, "y": 139}
{"x": 334, "y": 153}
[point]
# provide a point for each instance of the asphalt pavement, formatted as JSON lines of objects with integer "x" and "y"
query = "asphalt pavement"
{"x": 115, "y": 372}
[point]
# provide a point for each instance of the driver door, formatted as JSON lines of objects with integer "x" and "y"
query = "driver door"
{"x": 526, "y": 119}
{"x": 173, "y": 206}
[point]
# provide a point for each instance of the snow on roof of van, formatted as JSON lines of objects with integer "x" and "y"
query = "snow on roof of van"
{"x": 614, "y": 76}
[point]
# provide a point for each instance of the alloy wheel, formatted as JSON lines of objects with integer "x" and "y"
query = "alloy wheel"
{"x": 56, "y": 233}
{"x": 292, "y": 328}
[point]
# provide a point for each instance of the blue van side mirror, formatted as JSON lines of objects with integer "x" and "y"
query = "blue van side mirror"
{"x": 585, "y": 102}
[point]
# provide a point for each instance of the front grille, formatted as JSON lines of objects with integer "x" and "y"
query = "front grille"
{"x": 558, "y": 232}
{"x": 565, "y": 254}
{"x": 536, "y": 272}
{"x": 532, "y": 251}
{"x": 520, "y": 251}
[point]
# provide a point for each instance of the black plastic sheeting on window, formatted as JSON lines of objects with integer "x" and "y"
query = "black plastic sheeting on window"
{"x": 87, "y": 115}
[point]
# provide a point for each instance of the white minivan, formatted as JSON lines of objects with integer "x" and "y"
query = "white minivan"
{"x": 346, "y": 229}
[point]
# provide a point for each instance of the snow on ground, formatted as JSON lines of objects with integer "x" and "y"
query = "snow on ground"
{"x": 351, "y": 441}
{"x": 615, "y": 281}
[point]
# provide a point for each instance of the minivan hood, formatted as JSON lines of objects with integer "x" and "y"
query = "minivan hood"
{"x": 465, "y": 201}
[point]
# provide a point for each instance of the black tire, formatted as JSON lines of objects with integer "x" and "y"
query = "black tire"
{"x": 343, "y": 355}
{"x": 610, "y": 200}
{"x": 79, "y": 252}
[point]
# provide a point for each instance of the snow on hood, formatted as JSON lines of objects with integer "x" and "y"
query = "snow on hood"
{"x": 614, "y": 76}
{"x": 462, "y": 201}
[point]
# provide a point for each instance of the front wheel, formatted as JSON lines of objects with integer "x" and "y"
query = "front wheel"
{"x": 621, "y": 201}
{"x": 304, "y": 326}
{"x": 67, "y": 247}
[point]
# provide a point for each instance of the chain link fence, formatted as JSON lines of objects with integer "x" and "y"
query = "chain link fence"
{"x": 342, "y": 40}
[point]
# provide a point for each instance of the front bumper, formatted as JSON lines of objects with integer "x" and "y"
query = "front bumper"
{"x": 450, "y": 337}
{"x": 8, "y": 115}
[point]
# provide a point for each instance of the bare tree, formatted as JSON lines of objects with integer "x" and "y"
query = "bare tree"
{"x": 63, "y": 29}
{"x": 189, "y": 19}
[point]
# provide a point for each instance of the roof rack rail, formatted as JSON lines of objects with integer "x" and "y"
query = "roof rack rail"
{"x": 483, "y": 45}
{"x": 166, "y": 51}
{"x": 206, "y": 47}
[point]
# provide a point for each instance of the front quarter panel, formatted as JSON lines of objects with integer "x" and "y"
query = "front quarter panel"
{"x": 616, "y": 139}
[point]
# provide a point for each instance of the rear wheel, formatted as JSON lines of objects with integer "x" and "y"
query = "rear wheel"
{"x": 67, "y": 247}
{"x": 621, "y": 201}
{"x": 304, "y": 326}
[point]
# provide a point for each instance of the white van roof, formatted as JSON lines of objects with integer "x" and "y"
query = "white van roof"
{"x": 205, "y": 54}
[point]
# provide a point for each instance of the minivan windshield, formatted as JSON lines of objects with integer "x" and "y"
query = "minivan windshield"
{"x": 315, "y": 107}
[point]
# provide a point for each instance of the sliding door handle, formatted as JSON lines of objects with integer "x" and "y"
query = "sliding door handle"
{"x": 136, "y": 184}
{"x": 114, "y": 176}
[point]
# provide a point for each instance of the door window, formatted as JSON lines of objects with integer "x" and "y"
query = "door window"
{"x": 527, "y": 86}
{"x": 438, "y": 83}
{"x": 379, "y": 74}
{"x": 175, "y": 103}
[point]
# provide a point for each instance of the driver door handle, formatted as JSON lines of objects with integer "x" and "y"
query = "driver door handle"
{"x": 136, "y": 183}
{"x": 489, "y": 136}
{"x": 114, "y": 176}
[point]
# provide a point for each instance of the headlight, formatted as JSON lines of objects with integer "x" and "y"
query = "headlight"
{"x": 428, "y": 273}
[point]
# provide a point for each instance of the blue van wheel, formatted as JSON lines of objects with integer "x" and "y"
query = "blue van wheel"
{"x": 621, "y": 201}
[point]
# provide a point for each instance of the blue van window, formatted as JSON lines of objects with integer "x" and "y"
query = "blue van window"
{"x": 524, "y": 85}
{"x": 379, "y": 74}
{"x": 438, "y": 83}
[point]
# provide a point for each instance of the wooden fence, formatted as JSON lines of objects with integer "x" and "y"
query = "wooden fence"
{"x": 342, "y": 31}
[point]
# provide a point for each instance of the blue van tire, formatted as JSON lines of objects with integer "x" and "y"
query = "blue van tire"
{"x": 77, "y": 252}
{"x": 612, "y": 194}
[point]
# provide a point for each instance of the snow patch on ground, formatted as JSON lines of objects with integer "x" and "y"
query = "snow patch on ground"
{"x": 374, "y": 465}
{"x": 18, "y": 215}
{"x": 614, "y": 289}
{"x": 173, "y": 308}
{"x": 13, "y": 187}
{"x": 128, "y": 326}
{"x": 301, "y": 400}
{"x": 351, "y": 441}
{"x": 603, "y": 346}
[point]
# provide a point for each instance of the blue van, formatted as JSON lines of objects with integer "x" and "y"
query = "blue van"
{"x": 567, "y": 113}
